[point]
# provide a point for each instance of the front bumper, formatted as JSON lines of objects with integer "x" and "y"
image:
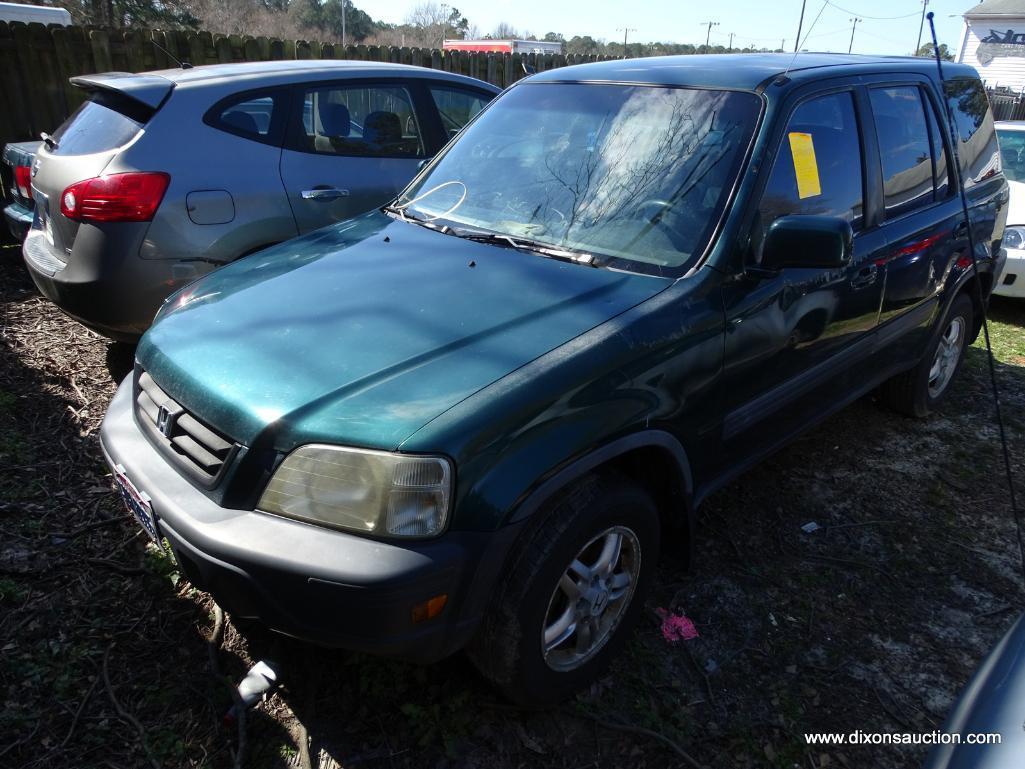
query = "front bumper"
{"x": 1011, "y": 281}
{"x": 309, "y": 582}
{"x": 19, "y": 220}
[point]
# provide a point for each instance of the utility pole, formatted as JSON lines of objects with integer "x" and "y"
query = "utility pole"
{"x": 708, "y": 35}
{"x": 343, "y": 23}
{"x": 800, "y": 23}
{"x": 855, "y": 20}
{"x": 925, "y": 4}
{"x": 783, "y": 44}
{"x": 626, "y": 31}
{"x": 730, "y": 49}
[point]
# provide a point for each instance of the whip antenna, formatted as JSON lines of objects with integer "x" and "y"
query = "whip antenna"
{"x": 955, "y": 140}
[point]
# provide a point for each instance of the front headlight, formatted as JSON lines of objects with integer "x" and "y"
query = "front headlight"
{"x": 1014, "y": 237}
{"x": 375, "y": 492}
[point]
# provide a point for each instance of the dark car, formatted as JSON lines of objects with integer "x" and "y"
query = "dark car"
{"x": 474, "y": 418}
{"x": 16, "y": 178}
{"x": 160, "y": 177}
{"x": 986, "y": 728}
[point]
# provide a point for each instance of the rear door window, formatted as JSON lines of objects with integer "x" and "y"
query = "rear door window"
{"x": 904, "y": 148}
{"x": 457, "y": 107}
{"x": 362, "y": 120}
{"x": 100, "y": 124}
{"x": 980, "y": 157}
{"x": 818, "y": 168}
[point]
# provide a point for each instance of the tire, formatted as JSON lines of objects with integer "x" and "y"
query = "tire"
{"x": 533, "y": 597}
{"x": 920, "y": 391}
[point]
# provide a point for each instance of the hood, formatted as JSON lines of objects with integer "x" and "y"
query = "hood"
{"x": 363, "y": 332}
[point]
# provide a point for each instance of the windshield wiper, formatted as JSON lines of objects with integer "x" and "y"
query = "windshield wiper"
{"x": 49, "y": 141}
{"x": 526, "y": 244}
{"x": 403, "y": 213}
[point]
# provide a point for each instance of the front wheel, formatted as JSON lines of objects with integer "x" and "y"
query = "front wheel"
{"x": 919, "y": 391}
{"x": 573, "y": 592}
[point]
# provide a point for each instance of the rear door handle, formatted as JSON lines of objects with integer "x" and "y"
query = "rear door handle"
{"x": 324, "y": 193}
{"x": 961, "y": 230}
{"x": 866, "y": 276}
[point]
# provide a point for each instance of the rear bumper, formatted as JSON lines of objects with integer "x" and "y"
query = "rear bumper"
{"x": 103, "y": 283}
{"x": 306, "y": 581}
{"x": 18, "y": 219}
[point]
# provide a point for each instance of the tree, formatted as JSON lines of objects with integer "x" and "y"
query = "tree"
{"x": 926, "y": 50}
{"x": 553, "y": 37}
{"x": 326, "y": 16}
{"x": 169, "y": 14}
{"x": 577, "y": 45}
{"x": 429, "y": 24}
{"x": 504, "y": 31}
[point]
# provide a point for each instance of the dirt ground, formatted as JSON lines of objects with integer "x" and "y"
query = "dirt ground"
{"x": 874, "y": 621}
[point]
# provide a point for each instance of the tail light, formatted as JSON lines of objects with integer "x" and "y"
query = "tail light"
{"x": 131, "y": 197}
{"x": 23, "y": 180}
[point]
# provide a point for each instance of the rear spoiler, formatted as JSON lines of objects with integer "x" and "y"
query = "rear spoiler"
{"x": 148, "y": 90}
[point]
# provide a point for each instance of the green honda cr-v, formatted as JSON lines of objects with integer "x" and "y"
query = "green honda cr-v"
{"x": 475, "y": 417}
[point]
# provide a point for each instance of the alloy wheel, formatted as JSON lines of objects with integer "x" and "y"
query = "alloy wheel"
{"x": 591, "y": 598}
{"x": 948, "y": 353}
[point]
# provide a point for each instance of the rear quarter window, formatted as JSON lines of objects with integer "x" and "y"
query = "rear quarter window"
{"x": 100, "y": 124}
{"x": 977, "y": 148}
{"x": 457, "y": 107}
{"x": 256, "y": 115}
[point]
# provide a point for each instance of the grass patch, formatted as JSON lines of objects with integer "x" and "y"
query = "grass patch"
{"x": 1006, "y": 324}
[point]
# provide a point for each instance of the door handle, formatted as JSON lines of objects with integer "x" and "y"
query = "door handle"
{"x": 323, "y": 193}
{"x": 866, "y": 276}
{"x": 961, "y": 230}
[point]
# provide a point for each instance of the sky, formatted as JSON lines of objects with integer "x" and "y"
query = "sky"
{"x": 762, "y": 23}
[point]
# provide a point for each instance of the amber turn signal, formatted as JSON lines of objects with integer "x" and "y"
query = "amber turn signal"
{"x": 429, "y": 609}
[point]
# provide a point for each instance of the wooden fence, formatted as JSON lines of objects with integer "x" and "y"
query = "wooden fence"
{"x": 36, "y": 62}
{"x": 1007, "y": 105}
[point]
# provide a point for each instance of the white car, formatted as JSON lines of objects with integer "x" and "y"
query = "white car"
{"x": 1011, "y": 135}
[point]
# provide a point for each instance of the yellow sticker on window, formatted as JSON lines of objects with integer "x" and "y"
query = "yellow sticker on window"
{"x": 806, "y": 167}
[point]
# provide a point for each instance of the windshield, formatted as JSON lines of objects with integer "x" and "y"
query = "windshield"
{"x": 1012, "y": 153}
{"x": 640, "y": 173}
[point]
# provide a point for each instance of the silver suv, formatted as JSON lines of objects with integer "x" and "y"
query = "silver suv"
{"x": 161, "y": 177}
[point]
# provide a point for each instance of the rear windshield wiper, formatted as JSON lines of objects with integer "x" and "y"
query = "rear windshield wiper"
{"x": 526, "y": 244}
{"x": 49, "y": 141}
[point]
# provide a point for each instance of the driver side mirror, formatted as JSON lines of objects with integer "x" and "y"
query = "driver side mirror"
{"x": 807, "y": 241}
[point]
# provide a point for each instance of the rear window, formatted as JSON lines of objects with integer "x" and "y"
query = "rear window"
{"x": 102, "y": 123}
{"x": 978, "y": 151}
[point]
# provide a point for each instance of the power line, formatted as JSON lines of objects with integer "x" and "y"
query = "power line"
{"x": 865, "y": 16}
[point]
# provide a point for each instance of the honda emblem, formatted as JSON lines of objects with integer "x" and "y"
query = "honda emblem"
{"x": 165, "y": 421}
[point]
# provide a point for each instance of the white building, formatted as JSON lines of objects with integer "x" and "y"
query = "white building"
{"x": 993, "y": 41}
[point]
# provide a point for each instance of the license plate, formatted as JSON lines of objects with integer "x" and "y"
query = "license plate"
{"x": 137, "y": 502}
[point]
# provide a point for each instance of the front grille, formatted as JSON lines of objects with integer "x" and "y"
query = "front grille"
{"x": 197, "y": 448}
